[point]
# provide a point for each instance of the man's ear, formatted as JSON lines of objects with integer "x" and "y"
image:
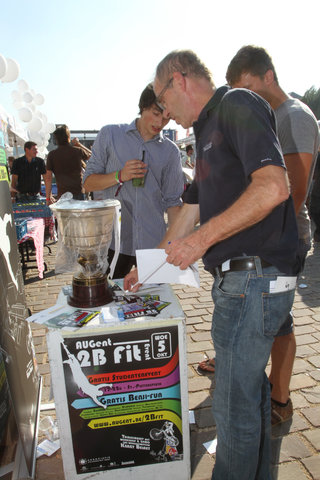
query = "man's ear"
{"x": 269, "y": 77}
{"x": 180, "y": 80}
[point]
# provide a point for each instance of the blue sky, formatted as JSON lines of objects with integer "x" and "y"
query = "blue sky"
{"x": 91, "y": 60}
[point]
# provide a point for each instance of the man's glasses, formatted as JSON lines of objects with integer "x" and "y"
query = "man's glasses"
{"x": 163, "y": 91}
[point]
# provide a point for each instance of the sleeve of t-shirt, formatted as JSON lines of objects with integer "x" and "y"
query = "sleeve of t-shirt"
{"x": 297, "y": 133}
{"x": 15, "y": 169}
{"x": 250, "y": 125}
{"x": 49, "y": 162}
{"x": 99, "y": 157}
{"x": 43, "y": 169}
{"x": 191, "y": 195}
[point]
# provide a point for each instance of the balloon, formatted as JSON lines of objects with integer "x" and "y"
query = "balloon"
{"x": 25, "y": 114}
{"x": 38, "y": 99}
{"x": 3, "y": 66}
{"x": 35, "y": 125}
{"x": 27, "y": 97}
{"x": 23, "y": 86}
{"x": 50, "y": 127}
{"x": 16, "y": 96}
{"x": 12, "y": 72}
{"x": 32, "y": 106}
{"x": 35, "y": 137}
{"x": 17, "y": 105}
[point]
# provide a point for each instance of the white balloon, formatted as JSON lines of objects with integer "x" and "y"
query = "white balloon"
{"x": 3, "y": 66}
{"x": 38, "y": 99}
{"x": 16, "y": 96}
{"x": 35, "y": 137}
{"x": 23, "y": 86}
{"x": 17, "y": 105}
{"x": 12, "y": 72}
{"x": 50, "y": 127}
{"x": 44, "y": 118}
{"x": 35, "y": 124}
{"x": 27, "y": 97}
{"x": 25, "y": 114}
{"x": 32, "y": 106}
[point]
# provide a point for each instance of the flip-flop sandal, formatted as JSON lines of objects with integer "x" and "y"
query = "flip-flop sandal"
{"x": 206, "y": 367}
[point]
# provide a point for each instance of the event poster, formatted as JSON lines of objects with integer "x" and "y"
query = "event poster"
{"x": 124, "y": 400}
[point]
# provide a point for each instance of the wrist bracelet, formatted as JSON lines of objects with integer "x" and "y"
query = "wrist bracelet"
{"x": 117, "y": 176}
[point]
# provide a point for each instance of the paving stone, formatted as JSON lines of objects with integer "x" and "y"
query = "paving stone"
{"x": 312, "y": 464}
{"x": 292, "y": 447}
{"x": 315, "y": 374}
{"x": 301, "y": 381}
{"x": 204, "y": 417}
{"x": 198, "y": 313}
{"x": 298, "y": 423}
{"x": 301, "y": 366}
{"x": 298, "y": 400}
{"x": 197, "y": 440}
{"x": 201, "y": 467}
{"x": 196, "y": 357}
{"x": 201, "y": 336}
{"x": 305, "y": 339}
{"x": 304, "y": 351}
{"x": 290, "y": 471}
{"x": 204, "y": 326}
{"x": 304, "y": 312}
{"x": 200, "y": 346}
{"x": 200, "y": 399}
{"x": 303, "y": 321}
{"x": 312, "y": 394}
{"x": 200, "y": 383}
{"x": 315, "y": 360}
{"x": 302, "y": 329}
{"x": 314, "y": 438}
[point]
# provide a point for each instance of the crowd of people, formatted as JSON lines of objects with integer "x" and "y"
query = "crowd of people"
{"x": 255, "y": 173}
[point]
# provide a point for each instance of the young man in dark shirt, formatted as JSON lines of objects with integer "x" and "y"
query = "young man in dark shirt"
{"x": 26, "y": 174}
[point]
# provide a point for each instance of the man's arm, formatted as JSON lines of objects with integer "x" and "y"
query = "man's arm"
{"x": 298, "y": 166}
{"x": 99, "y": 181}
{"x": 183, "y": 224}
{"x": 172, "y": 213}
{"x": 76, "y": 143}
{"x": 268, "y": 188}
{"x": 13, "y": 189}
{"x": 47, "y": 178}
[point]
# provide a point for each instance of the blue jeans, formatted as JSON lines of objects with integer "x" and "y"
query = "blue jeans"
{"x": 245, "y": 320}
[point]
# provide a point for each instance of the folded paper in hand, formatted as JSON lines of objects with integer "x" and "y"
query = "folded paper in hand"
{"x": 153, "y": 268}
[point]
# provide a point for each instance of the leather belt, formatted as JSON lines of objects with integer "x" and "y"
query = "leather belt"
{"x": 238, "y": 265}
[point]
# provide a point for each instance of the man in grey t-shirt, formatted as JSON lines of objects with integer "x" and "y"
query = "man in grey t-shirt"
{"x": 298, "y": 133}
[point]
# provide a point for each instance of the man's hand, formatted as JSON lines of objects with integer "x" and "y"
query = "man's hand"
{"x": 130, "y": 279}
{"x": 50, "y": 200}
{"x": 133, "y": 169}
{"x": 185, "y": 251}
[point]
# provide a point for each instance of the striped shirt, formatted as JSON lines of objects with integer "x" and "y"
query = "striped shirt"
{"x": 142, "y": 208}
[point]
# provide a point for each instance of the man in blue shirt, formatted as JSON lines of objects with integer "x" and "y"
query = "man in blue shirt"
{"x": 126, "y": 153}
{"x": 247, "y": 239}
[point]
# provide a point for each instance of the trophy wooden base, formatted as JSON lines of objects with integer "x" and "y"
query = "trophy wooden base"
{"x": 90, "y": 292}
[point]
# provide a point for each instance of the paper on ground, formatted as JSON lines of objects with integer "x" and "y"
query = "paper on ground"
{"x": 211, "y": 446}
{"x": 148, "y": 261}
{"x": 47, "y": 447}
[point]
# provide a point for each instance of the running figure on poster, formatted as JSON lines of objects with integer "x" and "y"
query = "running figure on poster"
{"x": 92, "y": 391}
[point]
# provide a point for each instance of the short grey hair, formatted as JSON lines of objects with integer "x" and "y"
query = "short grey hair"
{"x": 183, "y": 61}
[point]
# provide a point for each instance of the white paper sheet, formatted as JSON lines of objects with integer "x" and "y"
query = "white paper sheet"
{"x": 211, "y": 446}
{"x": 149, "y": 261}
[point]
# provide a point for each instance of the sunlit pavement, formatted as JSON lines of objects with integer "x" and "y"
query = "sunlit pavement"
{"x": 295, "y": 444}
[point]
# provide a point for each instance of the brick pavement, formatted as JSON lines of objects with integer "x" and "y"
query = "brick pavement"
{"x": 295, "y": 445}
